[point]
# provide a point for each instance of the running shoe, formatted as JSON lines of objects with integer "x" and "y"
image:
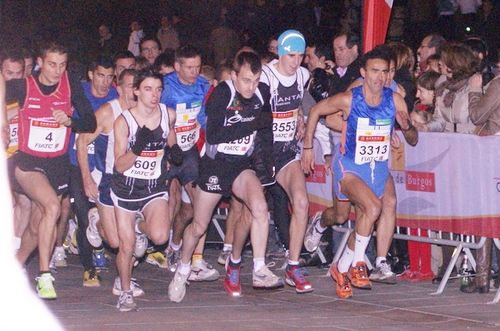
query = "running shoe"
{"x": 343, "y": 288}
{"x": 177, "y": 287}
{"x": 294, "y": 277}
{"x": 158, "y": 259}
{"x": 358, "y": 276}
{"x": 134, "y": 287}
{"x": 99, "y": 259}
{"x": 383, "y": 274}
{"x": 313, "y": 236}
{"x": 91, "y": 279}
{"x": 265, "y": 279}
{"x": 93, "y": 235}
{"x": 232, "y": 283}
{"x": 223, "y": 256}
{"x": 141, "y": 245}
{"x": 173, "y": 258}
{"x": 126, "y": 302}
{"x": 45, "y": 286}
{"x": 203, "y": 272}
{"x": 70, "y": 243}
{"x": 58, "y": 259}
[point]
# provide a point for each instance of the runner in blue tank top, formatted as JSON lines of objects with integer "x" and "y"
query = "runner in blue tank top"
{"x": 361, "y": 166}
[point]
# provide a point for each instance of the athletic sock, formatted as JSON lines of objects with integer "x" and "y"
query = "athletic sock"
{"x": 258, "y": 262}
{"x": 236, "y": 261}
{"x": 227, "y": 248}
{"x": 320, "y": 228}
{"x": 345, "y": 260}
{"x": 174, "y": 246}
{"x": 360, "y": 245}
{"x": 184, "y": 268}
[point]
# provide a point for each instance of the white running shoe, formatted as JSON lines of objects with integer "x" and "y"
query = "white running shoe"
{"x": 313, "y": 236}
{"x": 93, "y": 235}
{"x": 177, "y": 287}
{"x": 266, "y": 279}
{"x": 126, "y": 302}
{"x": 58, "y": 259}
{"x": 134, "y": 287}
{"x": 70, "y": 242}
{"x": 383, "y": 274}
{"x": 203, "y": 272}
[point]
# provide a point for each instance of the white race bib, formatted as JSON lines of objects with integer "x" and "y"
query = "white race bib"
{"x": 187, "y": 128}
{"x": 372, "y": 141}
{"x": 13, "y": 125}
{"x": 146, "y": 166}
{"x": 46, "y": 135}
{"x": 284, "y": 125}
{"x": 237, "y": 147}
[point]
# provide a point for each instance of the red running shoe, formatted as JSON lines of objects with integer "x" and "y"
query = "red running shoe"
{"x": 358, "y": 275}
{"x": 294, "y": 277}
{"x": 343, "y": 288}
{"x": 232, "y": 280}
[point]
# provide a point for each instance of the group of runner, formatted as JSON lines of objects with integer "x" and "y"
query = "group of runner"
{"x": 156, "y": 155}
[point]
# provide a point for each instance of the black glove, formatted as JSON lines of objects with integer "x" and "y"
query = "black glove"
{"x": 142, "y": 137}
{"x": 176, "y": 156}
{"x": 263, "y": 120}
{"x": 320, "y": 85}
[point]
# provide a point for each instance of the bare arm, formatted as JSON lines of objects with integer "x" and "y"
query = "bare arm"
{"x": 409, "y": 131}
{"x": 104, "y": 117}
{"x": 171, "y": 138}
{"x": 328, "y": 106}
{"x": 123, "y": 159}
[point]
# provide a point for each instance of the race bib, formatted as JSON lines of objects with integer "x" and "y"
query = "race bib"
{"x": 146, "y": 166}
{"x": 284, "y": 125}
{"x": 90, "y": 147}
{"x": 46, "y": 135}
{"x": 187, "y": 128}
{"x": 13, "y": 125}
{"x": 237, "y": 147}
{"x": 372, "y": 141}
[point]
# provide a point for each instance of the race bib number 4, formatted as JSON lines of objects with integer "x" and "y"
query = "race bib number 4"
{"x": 146, "y": 166}
{"x": 372, "y": 141}
{"x": 237, "y": 147}
{"x": 284, "y": 125}
{"x": 46, "y": 135}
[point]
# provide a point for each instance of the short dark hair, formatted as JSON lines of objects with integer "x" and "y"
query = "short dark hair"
{"x": 14, "y": 55}
{"x": 149, "y": 38}
{"x": 123, "y": 55}
{"x": 250, "y": 58}
{"x": 351, "y": 39}
{"x": 389, "y": 52}
{"x": 321, "y": 49}
{"x": 186, "y": 52}
{"x": 166, "y": 58}
{"x": 101, "y": 61}
{"x": 126, "y": 72}
{"x": 376, "y": 53}
{"x": 51, "y": 47}
{"x": 141, "y": 75}
{"x": 428, "y": 80}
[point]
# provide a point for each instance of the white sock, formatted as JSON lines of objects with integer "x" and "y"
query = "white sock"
{"x": 290, "y": 262}
{"x": 258, "y": 262}
{"x": 17, "y": 243}
{"x": 184, "y": 268}
{"x": 345, "y": 260}
{"x": 379, "y": 260}
{"x": 360, "y": 245}
{"x": 236, "y": 261}
{"x": 174, "y": 246}
{"x": 320, "y": 228}
{"x": 227, "y": 248}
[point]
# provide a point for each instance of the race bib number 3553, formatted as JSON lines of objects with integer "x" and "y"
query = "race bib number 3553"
{"x": 284, "y": 125}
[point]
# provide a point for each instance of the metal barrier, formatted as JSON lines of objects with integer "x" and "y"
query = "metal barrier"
{"x": 497, "y": 295}
{"x": 460, "y": 241}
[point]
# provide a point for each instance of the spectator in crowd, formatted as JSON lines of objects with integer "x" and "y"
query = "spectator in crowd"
{"x": 150, "y": 48}
{"x": 107, "y": 43}
{"x": 405, "y": 64}
{"x": 452, "y": 104}
{"x": 346, "y": 48}
{"x": 164, "y": 63}
{"x": 426, "y": 85}
{"x": 432, "y": 63}
{"x": 135, "y": 37}
{"x": 480, "y": 49}
{"x": 429, "y": 46}
{"x": 484, "y": 108}
{"x": 167, "y": 34}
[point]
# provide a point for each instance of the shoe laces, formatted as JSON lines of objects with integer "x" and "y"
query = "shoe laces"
{"x": 361, "y": 271}
{"x": 385, "y": 267}
{"x": 126, "y": 297}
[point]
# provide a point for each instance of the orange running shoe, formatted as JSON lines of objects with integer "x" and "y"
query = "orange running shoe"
{"x": 343, "y": 288}
{"x": 358, "y": 275}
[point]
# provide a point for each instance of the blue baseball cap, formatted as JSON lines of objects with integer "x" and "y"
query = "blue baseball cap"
{"x": 291, "y": 41}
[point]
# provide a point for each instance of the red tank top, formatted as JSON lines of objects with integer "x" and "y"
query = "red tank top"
{"x": 39, "y": 133}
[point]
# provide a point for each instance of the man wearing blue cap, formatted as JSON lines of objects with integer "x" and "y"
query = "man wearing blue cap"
{"x": 286, "y": 80}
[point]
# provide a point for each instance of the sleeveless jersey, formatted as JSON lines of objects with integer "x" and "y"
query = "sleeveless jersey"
{"x": 242, "y": 111}
{"x": 39, "y": 133}
{"x": 285, "y": 102}
{"x": 105, "y": 144}
{"x": 188, "y": 103}
{"x": 369, "y": 128}
{"x": 95, "y": 102}
{"x": 148, "y": 174}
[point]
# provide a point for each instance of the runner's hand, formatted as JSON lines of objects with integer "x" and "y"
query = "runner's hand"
{"x": 90, "y": 188}
{"x": 61, "y": 117}
{"x": 307, "y": 160}
{"x": 143, "y": 136}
